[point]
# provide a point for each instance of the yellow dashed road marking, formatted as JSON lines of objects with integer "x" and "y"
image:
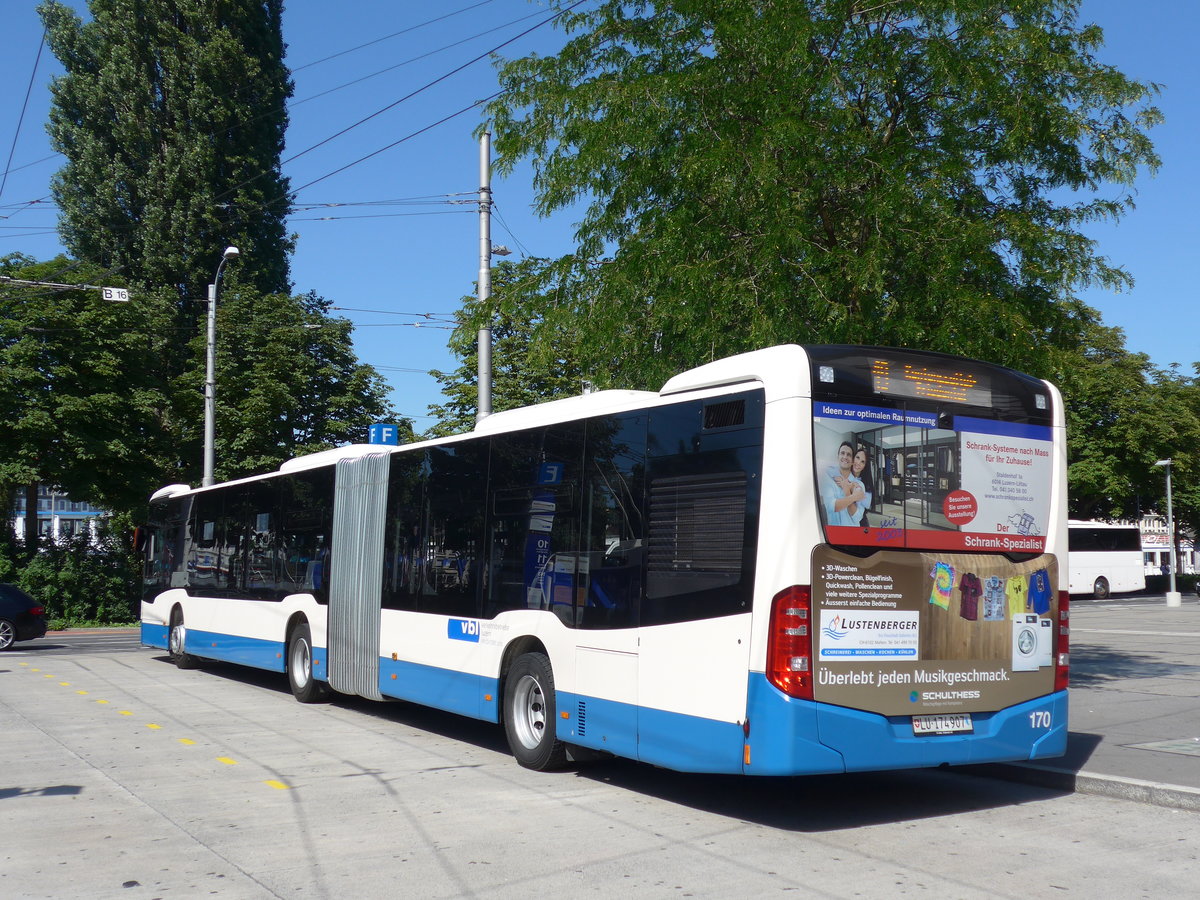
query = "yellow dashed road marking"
{"x": 187, "y": 742}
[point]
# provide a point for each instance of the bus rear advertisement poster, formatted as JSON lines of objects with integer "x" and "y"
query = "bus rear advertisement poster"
{"x": 903, "y": 634}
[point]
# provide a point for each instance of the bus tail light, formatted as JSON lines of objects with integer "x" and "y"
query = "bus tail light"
{"x": 1062, "y": 655}
{"x": 789, "y": 647}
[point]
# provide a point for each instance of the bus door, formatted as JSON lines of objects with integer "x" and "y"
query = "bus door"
{"x": 359, "y": 513}
{"x": 703, "y": 490}
{"x": 609, "y": 572}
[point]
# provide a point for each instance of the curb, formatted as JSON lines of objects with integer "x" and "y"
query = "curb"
{"x": 1154, "y": 793}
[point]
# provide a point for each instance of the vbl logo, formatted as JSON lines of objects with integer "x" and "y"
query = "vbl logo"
{"x": 463, "y": 630}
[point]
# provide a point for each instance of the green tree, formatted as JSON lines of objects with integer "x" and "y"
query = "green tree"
{"x": 524, "y": 370}
{"x": 80, "y": 399}
{"x": 912, "y": 173}
{"x": 1123, "y": 414}
{"x": 171, "y": 117}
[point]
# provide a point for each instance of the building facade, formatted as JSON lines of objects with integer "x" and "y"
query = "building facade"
{"x": 1156, "y": 548}
{"x": 58, "y": 515}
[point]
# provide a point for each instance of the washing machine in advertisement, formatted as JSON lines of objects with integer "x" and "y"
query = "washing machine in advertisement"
{"x": 1025, "y": 642}
{"x": 1045, "y": 647}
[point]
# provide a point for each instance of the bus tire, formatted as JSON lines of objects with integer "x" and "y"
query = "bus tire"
{"x": 529, "y": 714}
{"x": 305, "y": 687}
{"x": 176, "y": 640}
{"x": 1100, "y": 589}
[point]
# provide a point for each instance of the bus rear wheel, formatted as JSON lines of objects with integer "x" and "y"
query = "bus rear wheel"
{"x": 1100, "y": 589}
{"x": 176, "y": 640}
{"x": 529, "y": 714}
{"x": 305, "y": 687}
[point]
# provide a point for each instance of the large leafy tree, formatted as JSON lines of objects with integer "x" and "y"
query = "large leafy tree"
{"x": 913, "y": 172}
{"x": 80, "y": 397}
{"x": 1123, "y": 415}
{"x": 171, "y": 117}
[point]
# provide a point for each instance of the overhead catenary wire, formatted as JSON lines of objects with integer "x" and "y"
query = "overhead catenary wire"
{"x": 21, "y": 117}
{"x": 295, "y": 103}
{"x": 409, "y": 61}
{"x": 393, "y": 105}
{"x": 387, "y": 37}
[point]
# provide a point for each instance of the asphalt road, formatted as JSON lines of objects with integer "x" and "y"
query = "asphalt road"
{"x": 126, "y": 777}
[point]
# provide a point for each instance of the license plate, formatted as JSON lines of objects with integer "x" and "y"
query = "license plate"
{"x": 951, "y": 724}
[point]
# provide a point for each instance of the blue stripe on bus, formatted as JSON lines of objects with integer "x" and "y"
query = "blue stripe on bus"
{"x": 787, "y": 736}
{"x": 154, "y": 636}
{"x": 790, "y": 737}
{"x": 689, "y": 743}
{"x": 244, "y": 651}
{"x": 673, "y": 740}
{"x": 607, "y": 725}
{"x": 457, "y": 692}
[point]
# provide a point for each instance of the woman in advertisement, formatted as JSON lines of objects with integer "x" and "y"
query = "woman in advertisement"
{"x": 861, "y": 475}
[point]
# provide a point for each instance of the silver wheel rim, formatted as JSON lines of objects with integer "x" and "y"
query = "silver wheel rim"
{"x": 301, "y": 663}
{"x": 177, "y": 634}
{"x": 529, "y": 712}
{"x": 7, "y": 635}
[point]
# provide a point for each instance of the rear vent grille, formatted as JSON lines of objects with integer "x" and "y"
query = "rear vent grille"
{"x": 697, "y": 523}
{"x": 581, "y": 719}
{"x": 725, "y": 415}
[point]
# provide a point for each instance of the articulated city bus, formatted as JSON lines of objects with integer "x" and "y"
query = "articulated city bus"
{"x": 796, "y": 560}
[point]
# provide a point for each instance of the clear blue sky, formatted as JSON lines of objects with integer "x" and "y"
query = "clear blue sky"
{"x": 387, "y": 265}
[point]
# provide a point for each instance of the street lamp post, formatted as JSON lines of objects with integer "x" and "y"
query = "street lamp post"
{"x": 210, "y": 383}
{"x": 1174, "y": 598}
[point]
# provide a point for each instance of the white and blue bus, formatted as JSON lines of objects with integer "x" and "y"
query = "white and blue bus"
{"x": 796, "y": 560}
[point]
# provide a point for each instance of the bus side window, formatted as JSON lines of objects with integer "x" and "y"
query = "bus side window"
{"x": 534, "y": 559}
{"x": 452, "y": 528}
{"x": 614, "y": 531}
{"x": 305, "y": 521}
{"x": 703, "y": 490}
{"x": 403, "y": 555}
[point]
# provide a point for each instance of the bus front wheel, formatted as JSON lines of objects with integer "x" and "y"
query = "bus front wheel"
{"x": 529, "y": 714}
{"x": 305, "y": 687}
{"x": 176, "y": 640}
{"x": 1100, "y": 589}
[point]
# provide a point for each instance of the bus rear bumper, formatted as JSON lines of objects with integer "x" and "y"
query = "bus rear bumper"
{"x": 795, "y": 737}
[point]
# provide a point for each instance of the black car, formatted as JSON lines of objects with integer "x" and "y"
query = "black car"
{"x": 21, "y": 617}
